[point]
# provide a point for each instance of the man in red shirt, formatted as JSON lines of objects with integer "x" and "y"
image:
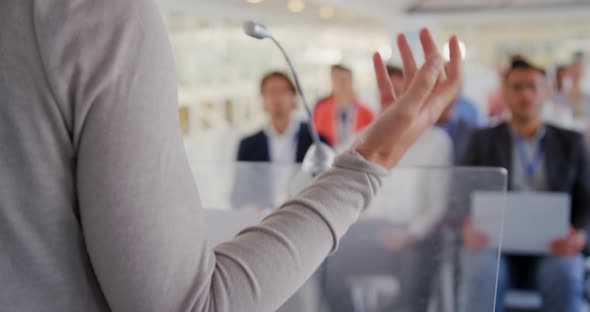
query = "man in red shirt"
{"x": 339, "y": 117}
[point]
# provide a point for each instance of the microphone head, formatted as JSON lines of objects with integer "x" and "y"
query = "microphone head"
{"x": 255, "y": 30}
{"x": 318, "y": 159}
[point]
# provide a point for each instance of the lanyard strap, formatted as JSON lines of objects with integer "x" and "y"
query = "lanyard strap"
{"x": 530, "y": 165}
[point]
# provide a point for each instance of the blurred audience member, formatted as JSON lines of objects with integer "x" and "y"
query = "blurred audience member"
{"x": 340, "y": 116}
{"x": 284, "y": 140}
{"x": 555, "y": 111}
{"x": 419, "y": 214}
{"x": 570, "y": 93}
{"x": 539, "y": 157}
{"x": 453, "y": 122}
{"x": 411, "y": 237}
{"x": 407, "y": 234}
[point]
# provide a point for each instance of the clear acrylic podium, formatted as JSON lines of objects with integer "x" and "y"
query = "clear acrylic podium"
{"x": 404, "y": 254}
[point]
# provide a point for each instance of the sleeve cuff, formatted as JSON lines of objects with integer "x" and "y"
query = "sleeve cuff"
{"x": 352, "y": 160}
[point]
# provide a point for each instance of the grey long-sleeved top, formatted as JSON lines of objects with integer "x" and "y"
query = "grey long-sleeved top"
{"x": 98, "y": 209}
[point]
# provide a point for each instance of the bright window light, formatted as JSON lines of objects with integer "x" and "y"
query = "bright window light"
{"x": 386, "y": 52}
{"x": 296, "y": 6}
{"x": 447, "y": 52}
{"x": 326, "y": 12}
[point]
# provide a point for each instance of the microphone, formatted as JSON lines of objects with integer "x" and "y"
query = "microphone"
{"x": 320, "y": 156}
{"x": 256, "y": 30}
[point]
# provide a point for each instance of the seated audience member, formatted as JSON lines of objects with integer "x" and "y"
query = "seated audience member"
{"x": 539, "y": 157}
{"x": 434, "y": 139}
{"x": 458, "y": 120}
{"x": 413, "y": 238}
{"x": 556, "y": 111}
{"x": 284, "y": 140}
{"x": 570, "y": 93}
{"x": 339, "y": 117}
{"x": 433, "y": 149}
{"x": 406, "y": 241}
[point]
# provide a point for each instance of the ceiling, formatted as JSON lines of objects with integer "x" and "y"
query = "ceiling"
{"x": 417, "y": 6}
{"x": 388, "y": 12}
{"x": 468, "y": 12}
{"x": 271, "y": 11}
{"x": 479, "y": 5}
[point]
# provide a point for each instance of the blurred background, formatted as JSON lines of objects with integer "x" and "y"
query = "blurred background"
{"x": 220, "y": 106}
{"x": 219, "y": 67}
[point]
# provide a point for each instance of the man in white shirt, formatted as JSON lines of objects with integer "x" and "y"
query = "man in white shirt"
{"x": 284, "y": 141}
{"x": 404, "y": 241}
{"x": 570, "y": 93}
{"x": 408, "y": 233}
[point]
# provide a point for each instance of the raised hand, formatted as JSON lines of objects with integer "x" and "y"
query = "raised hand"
{"x": 429, "y": 90}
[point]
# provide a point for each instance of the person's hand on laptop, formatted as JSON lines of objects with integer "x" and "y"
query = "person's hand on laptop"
{"x": 570, "y": 246}
{"x": 472, "y": 238}
{"x": 429, "y": 91}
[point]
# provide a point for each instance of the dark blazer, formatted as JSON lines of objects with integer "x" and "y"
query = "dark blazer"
{"x": 565, "y": 158}
{"x": 255, "y": 148}
{"x": 253, "y": 183}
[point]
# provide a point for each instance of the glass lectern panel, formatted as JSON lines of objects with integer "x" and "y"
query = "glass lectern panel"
{"x": 406, "y": 253}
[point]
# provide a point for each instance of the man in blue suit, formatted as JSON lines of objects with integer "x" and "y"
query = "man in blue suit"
{"x": 539, "y": 157}
{"x": 284, "y": 140}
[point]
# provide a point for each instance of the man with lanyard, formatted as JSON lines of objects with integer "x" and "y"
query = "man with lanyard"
{"x": 539, "y": 157}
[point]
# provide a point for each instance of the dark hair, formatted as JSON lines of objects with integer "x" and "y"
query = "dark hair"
{"x": 280, "y": 75}
{"x": 521, "y": 63}
{"x": 341, "y": 67}
{"x": 393, "y": 70}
